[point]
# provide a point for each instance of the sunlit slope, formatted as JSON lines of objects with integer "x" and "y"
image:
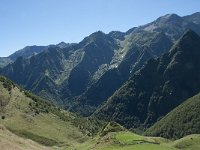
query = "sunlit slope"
{"x": 31, "y": 118}
{"x": 10, "y": 141}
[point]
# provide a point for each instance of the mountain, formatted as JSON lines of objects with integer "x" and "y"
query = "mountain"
{"x": 61, "y": 73}
{"x": 78, "y": 76}
{"x": 151, "y": 45}
{"x": 25, "y": 52}
{"x": 172, "y": 25}
{"x": 29, "y": 51}
{"x": 183, "y": 120}
{"x": 4, "y": 61}
{"x": 139, "y": 44}
{"x": 193, "y": 18}
{"x": 63, "y": 45}
{"x": 161, "y": 85}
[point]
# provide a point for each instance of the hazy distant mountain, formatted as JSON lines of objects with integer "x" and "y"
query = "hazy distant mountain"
{"x": 28, "y": 51}
{"x": 25, "y": 52}
{"x": 161, "y": 85}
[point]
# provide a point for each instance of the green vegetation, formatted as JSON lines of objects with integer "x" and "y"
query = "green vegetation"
{"x": 13, "y": 142}
{"x": 183, "y": 120}
{"x": 8, "y": 84}
{"x": 190, "y": 142}
{"x": 126, "y": 140}
{"x": 111, "y": 127}
{"x": 129, "y": 138}
{"x": 31, "y": 117}
{"x": 40, "y": 139}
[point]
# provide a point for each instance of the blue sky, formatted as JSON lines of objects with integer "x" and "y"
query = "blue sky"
{"x": 44, "y": 22}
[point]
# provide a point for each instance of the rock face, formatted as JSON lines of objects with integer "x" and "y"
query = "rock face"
{"x": 83, "y": 76}
{"x": 161, "y": 85}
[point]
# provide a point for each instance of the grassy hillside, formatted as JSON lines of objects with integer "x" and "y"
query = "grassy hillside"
{"x": 190, "y": 142}
{"x": 32, "y": 118}
{"x": 10, "y": 141}
{"x": 182, "y": 121}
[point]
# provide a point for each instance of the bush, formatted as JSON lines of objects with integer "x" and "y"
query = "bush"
{"x": 8, "y": 84}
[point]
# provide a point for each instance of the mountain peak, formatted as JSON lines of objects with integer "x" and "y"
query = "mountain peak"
{"x": 62, "y": 44}
{"x": 169, "y": 18}
{"x": 96, "y": 36}
{"x": 117, "y": 35}
{"x": 97, "y": 33}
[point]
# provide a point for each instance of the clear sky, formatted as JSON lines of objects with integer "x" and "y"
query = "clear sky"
{"x": 44, "y": 22}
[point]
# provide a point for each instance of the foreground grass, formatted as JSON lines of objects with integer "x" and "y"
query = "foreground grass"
{"x": 10, "y": 141}
{"x": 46, "y": 128}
